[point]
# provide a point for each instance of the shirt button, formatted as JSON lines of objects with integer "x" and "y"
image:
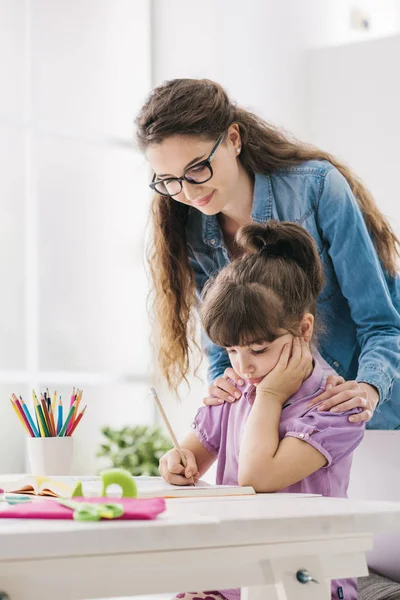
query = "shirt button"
{"x": 301, "y": 435}
{"x": 212, "y": 242}
{"x": 193, "y": 425}
{"x": 336, "y": 364}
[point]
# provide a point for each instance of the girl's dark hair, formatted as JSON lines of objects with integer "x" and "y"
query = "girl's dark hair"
{"x": 202, "y": 108}
{"x": 267, "y": 290}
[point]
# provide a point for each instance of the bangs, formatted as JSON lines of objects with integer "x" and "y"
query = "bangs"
{"x": 243, "y": 316}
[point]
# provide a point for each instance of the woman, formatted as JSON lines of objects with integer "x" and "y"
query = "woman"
{"x": 217, "y": 167}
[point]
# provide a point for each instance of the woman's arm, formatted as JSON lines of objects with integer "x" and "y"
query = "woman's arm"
{"x": 363, "y": 284}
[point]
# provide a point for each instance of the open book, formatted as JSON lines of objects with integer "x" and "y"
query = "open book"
{"x": 40, "y": 485}
{"x": 148, "y": 487}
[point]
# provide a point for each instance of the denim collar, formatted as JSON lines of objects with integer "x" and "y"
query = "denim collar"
{"x": 260, "y": 213}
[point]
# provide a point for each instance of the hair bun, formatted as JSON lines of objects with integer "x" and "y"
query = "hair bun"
{"x": 287, "y": 240}
{"x": 282, "y": 249}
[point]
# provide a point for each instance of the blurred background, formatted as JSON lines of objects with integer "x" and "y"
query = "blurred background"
{"x": 73, "y": 188}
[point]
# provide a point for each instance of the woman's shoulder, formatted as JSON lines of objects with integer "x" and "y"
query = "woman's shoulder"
{"x": 315, "y": 167}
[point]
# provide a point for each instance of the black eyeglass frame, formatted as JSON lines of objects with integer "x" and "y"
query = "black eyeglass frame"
{"x": 206, "y": 162}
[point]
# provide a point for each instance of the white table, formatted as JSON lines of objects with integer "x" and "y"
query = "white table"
{"x": 257, "y": 543}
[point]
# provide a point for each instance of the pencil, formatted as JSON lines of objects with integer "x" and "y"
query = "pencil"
{"x": 67, "y": 420}
{"x": 44, "y": 430}
{"x": 38, "y": 421}
{"x": 19, "y": 416}
{"x": 170, "y": 430}
{"x": 47, "y": 416}
{"x": 51, "y": 414}
{"x": 54, "y": 403}
{"x": 76, "y": 422}
{"x": 73, "y": 398}
{"x": 78, "y": 398}
{"x": 28, "y": 416}
{"x": 60, "y": 416}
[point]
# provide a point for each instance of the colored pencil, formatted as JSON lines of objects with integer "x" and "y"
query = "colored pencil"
{"x": 19, "y": 416}
{"x": 39, "y": 410}
{"x": 28, "y": 416}
{"x": 51, "y": 416}
{"x": 39, "y": 424}
{"x": 76, "y": 422}
{"x": 23, "y": 415}
{"x": 78, "y": 399}
{"x": 54, "y": 403}
{"x": 46, "y": 415}
{"x": 60, "y": 416}
{"x": 67, "y": 420}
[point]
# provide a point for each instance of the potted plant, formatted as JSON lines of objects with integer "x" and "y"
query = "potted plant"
{"x": 136, "y": 449}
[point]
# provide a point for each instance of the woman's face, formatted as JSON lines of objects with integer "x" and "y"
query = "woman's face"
{"x": 174, "y": 155}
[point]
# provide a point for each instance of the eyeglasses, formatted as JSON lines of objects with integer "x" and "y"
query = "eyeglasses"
{"x": 199, "y": 173}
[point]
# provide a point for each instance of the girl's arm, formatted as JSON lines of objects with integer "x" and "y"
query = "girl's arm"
{"x": 267, "y": 464}
{"x": 309, "y": 443}
{"x": 198, "y": 458}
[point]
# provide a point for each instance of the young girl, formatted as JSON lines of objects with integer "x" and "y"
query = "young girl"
{"x": 261, "y": 308}
{"x": 218, "y": 167}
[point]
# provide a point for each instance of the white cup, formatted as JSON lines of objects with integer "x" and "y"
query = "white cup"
{"x": 51, "y": 455}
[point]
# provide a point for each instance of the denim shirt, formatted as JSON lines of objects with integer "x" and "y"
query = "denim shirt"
{"x": 360, "y": 303}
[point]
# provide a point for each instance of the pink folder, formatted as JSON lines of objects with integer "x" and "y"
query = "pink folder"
{"x": 134, "y": 508}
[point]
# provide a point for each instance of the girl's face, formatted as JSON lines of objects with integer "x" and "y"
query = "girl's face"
{"x": 174, "y": 155}
{"x": 255, "y": 361}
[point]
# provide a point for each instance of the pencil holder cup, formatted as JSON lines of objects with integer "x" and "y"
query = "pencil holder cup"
{"x": 51, "y": 455}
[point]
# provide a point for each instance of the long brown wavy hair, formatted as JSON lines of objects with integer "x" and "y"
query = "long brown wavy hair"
{"x": 202, "y": 108}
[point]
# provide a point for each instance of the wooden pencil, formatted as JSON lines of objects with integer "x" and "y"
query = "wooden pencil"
{"x": 67, "y": 420}
{"x": 19, "y": 416}
{"x": 47, "y": 416}
{"x": 42, "y": 420}
{"x": 170, "y": 430}
{"x": 28, "y": 416}
{"x": 60, "y": 415}
{"x": 76, "y": 422}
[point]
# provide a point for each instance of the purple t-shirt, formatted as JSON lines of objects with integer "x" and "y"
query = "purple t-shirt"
{"x": 220, "y": 429}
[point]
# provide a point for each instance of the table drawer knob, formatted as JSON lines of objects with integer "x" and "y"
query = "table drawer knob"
{"x": 303, "y": 576}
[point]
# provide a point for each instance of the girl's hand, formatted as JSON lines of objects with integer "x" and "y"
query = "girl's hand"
{"x": 222, "y": 390}
{"x": 289, "y": 373}
{"x": 174, "y": 472}
{"x": 348, "y": 395}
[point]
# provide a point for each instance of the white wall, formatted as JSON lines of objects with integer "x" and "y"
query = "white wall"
{"x": 256, "y": 50}
{"x": 353, "y": 111}
{"x": 73, "y": 209}
{"x": 334, "y": 22}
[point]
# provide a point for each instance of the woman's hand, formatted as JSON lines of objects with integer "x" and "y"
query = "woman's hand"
{"x": 293, "y": 367}
{"x": 172, "y": 470}
{"x": 348, "y": 395}
{"x": 222, "y": 390}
